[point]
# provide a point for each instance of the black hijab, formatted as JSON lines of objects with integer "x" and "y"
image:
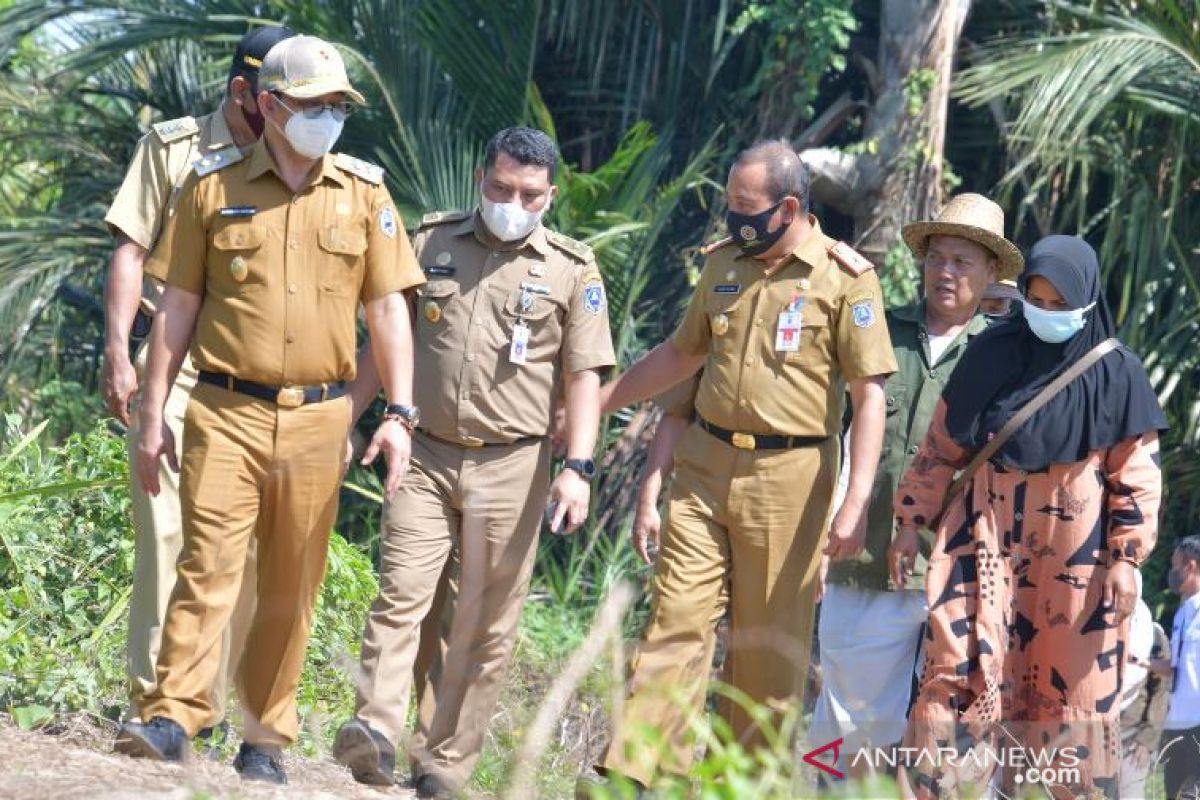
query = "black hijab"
{"x": 1007, "y": 365}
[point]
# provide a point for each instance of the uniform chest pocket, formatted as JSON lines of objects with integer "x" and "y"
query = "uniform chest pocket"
{"x": 724, "y": 311}
{"x": 237, "y": 263}
{"x": 341, "y": 275}
{"x": 540, "y": 312}
{"x": 814, "y": 337}
{"x": 432, "y": 299}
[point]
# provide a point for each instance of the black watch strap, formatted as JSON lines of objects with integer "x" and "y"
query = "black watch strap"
{"x": 584, "y": 467}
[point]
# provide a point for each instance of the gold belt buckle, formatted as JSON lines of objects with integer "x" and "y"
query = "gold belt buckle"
{"x": 471, "y": 441}
{"x": 290, "y": 397}
{"x": 743, "y": 441}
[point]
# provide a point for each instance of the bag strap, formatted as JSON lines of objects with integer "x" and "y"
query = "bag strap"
{"x": 1081, "y": 366}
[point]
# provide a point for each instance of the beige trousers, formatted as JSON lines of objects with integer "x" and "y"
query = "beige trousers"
{"x": 744, "y": 528}
{"x": 485, "y": 503}
{"x": 158, "y": 538}
{"x": 250, "y": 470}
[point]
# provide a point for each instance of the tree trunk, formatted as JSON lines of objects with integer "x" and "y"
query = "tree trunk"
{"x": 897, "y": 175}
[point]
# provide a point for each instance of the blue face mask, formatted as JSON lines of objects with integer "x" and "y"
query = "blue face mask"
{"x": 1055, "y": 327}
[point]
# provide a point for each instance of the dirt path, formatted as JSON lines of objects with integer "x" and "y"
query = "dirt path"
{"x": 73, "y": 760}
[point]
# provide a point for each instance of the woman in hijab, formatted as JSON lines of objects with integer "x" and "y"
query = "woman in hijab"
{"x": 1031, "y": 575}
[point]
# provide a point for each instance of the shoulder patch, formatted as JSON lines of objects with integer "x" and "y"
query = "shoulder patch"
{"x": 218, "y": 160}
{"x": 173, "y": 130}
{"x": 850, "y": 259}
{"x": 369, "y": 172}
{"x": 714, "y": 246}
{"x": 570, "y": 246}
{"x": 591, "y": 276}
{"x": 441, "y": 218}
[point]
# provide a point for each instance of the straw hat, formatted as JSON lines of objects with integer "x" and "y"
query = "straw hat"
{"x": 973, "y": 217}
{"x": 1002, "y": 290}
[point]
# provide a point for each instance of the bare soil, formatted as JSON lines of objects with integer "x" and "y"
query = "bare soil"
{"x": 73, "y": 759}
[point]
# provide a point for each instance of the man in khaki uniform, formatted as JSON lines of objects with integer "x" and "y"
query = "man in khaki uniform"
{"x": 146, "y": 198}
{"x": 512, "y": 315}
{"x": 266, "y": 261}
{"x": 782, "y": 318}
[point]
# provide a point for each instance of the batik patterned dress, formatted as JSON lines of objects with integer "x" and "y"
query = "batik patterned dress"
{"x": 1020, "y": 647}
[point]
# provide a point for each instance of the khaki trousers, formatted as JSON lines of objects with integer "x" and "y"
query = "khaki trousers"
{"x": 250, "y": 469}
{"x": 158, "y": 538}
{"x": 486, "y": 503}
{"x": 745, "y": 528}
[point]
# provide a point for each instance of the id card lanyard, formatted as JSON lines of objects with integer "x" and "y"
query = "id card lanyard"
{"x": 787, "y": 333}
{"x": 519, "y": 346}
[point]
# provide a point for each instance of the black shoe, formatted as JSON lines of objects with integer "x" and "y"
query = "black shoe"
{"x": 255, "y": 763}
{"x": 367, "y": 752}
{"x": 160, "y": 739}
{"x": 431, "y": 786}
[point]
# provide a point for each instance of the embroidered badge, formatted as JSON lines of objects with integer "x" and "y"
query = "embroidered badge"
{"x": 727, "y": 288}
{"x": 433, "y": 312}
{"x": 387, "y": 222}
{"x": 238, "y": 269}
{"x": 864, "y": 314}
{"x": 593, "y": 297}
{"x": 720, "y": 324}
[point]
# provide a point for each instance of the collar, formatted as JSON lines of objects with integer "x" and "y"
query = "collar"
{"x": 261, "y": 162}
{"x": 474, "y": 224}
{"x": 219, "y": 135}
{"x": 915, "y": 313}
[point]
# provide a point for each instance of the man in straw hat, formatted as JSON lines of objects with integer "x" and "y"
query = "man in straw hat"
{"x": 266, "y": 260}
{"x": 998, "y": 298}
{"x": 871, "y": 619}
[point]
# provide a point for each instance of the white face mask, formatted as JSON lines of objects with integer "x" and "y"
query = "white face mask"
{"x": 312, "y": 138}
{"x": 1055, "y": 327}
{"x": 509, "y": 222}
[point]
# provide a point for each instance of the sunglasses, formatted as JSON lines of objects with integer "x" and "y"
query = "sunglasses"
{"x": 314, "y": 110}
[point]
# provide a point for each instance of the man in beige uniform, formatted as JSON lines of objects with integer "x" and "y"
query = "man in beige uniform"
{"x": 513, "y": 314}
{"x": 780, "y": 322}
{"x": 266, "y": 261}
{"x": 162, "y": 160}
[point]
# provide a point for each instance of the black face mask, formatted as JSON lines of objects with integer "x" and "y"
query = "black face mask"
{"x": 254, "y": 120}
{"x": 750, "y": 230}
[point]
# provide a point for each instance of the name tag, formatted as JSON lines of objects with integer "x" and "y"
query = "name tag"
{"x": 787, "y": 335}
{"x": 519, "y": 346}
{"x": 727, "y": 288}
{"x": 239, "y": 211}
{"x": 439, "y": 271}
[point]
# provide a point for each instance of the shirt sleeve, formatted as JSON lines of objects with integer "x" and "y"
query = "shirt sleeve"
{"x": 920, "y": 492}
{"x": 137, "y": 209}
{"x": 587, "y": 340}
{"x": 391, "y": 264}
{"x": 862, "y": 344}
{"x": 1133, "y": 492}
{"x": 680, "y": 399}
{"x": 181, "y": 257}
{"x": 694, "y": 334}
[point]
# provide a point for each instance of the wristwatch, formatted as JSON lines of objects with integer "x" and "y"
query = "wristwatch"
{"x": 584, "y": 467}
{"x": 408, "y": 416}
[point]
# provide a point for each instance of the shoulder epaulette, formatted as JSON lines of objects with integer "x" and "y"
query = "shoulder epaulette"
{"x": 218, "y": 160}
{"x": 441, "y": 218}
{"x": 850, "y": 259}
{"x": 570, "y": 246}
{"x": 173, "y": 130}
{"x": 369, "y": 172}
{"x": 714, "y": 246}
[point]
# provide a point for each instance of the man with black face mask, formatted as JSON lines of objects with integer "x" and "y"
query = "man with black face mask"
{"x": 782, "y": 320}
{"x": 1179, "y": 751}
{"x": 163, "y": 159}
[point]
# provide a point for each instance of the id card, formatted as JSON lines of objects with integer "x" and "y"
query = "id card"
{"x": 787, "y": 335}
{"x": 520, "y": 343}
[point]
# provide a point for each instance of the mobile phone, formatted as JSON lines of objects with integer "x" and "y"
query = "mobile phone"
{"x": 551, "y": 510}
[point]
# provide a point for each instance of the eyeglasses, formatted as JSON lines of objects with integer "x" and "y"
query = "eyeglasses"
{"x": 312, "y": 111}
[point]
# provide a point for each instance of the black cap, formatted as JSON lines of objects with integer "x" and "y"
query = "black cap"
{"x": 253, "y": 48}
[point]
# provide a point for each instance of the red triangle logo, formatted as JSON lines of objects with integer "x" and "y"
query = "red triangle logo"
{"x": 811, "y": 758}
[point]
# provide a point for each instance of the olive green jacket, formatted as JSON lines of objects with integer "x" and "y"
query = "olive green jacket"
{"x": 912, "y": 395}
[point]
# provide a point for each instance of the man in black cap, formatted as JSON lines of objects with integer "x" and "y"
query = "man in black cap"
{"x": 163, "y": 159}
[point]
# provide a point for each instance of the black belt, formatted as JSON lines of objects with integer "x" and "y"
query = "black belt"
{"x": 754, "y": 441}
{"x": 474, "y": 441}
{"x": 286, "y": 396}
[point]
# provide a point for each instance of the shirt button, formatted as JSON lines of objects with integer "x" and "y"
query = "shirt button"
{"x": 933, "y": 373}
{"x": 478, "y": 322}
{"x": 296, "y": 200}
{"x": 1018, "y": 516}
{"x": 292, "y": 288}
{"x": 470, "y": 356}
{"x": 758, "y": 322}
{"x": 291, "y": 244}
{"x": 291, "y": 338}
{"x": 485, "y": 284}
{"x": 749, "y": 362}
{"x": 912, "y": 449}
